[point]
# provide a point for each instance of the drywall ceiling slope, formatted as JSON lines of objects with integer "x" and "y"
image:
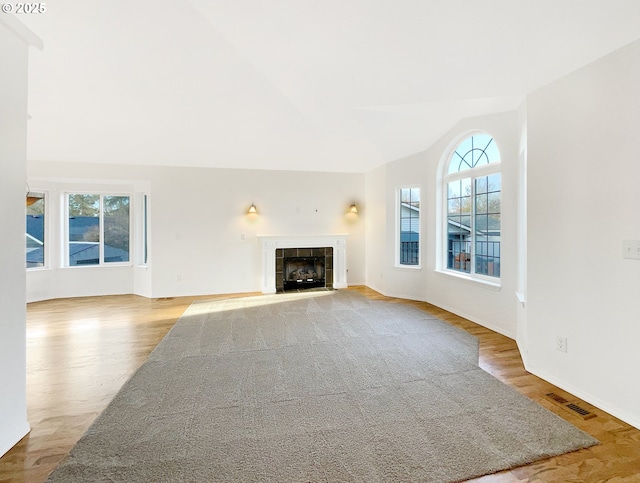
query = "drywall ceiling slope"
{"x": 294, "y": 84}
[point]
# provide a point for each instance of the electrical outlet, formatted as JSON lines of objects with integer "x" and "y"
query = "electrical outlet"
{"x": 561, "y": 344}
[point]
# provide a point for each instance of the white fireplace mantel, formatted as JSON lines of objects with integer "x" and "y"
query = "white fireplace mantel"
{"x": 269, "y": 244}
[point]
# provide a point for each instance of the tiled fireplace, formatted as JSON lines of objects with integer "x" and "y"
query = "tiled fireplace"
{"x": 303, "y": 262}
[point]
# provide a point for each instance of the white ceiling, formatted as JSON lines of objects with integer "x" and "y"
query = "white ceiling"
{"x": 330, "y": 85}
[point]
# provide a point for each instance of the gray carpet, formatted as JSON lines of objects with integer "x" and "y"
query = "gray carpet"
{"x": 314, "y": 387}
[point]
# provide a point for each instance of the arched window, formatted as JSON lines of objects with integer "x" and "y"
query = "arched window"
{"x": 472, "y": 186}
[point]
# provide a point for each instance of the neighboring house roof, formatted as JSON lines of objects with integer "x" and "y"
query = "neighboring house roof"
{"x": 410, "y": 206}
{"x": 81, "y": 253}
{"x": 462, "y": 228}
{"x": 35, "y": 256}
{"x": 409, "y": 236}
{"x": 35, "y": 227}
{"x": 33, "y": 242}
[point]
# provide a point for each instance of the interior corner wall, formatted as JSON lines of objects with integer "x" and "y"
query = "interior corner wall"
{"x": 521, "y": 285}
{"x": 13, "y": 142}
{"x": 487, "y": 306}
{"x": 201, "y": 239}
{"x": 583, "y": 200}
{"x": 376, "y": 229}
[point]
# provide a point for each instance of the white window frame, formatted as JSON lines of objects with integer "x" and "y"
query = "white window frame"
{"x": 46, "y": 232}
{"x": 101, "y": 263}
{"x": 444, "y": 180}
{"x": 398, "y": 209}
{"x": 141, "y": 235}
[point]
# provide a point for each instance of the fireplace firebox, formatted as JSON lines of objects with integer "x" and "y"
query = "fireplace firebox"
{"x": 304, "y": 268}
{"x": 301, "y": 272}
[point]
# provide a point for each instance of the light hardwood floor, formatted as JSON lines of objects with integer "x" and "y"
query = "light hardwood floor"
{"x": 81, "y": 351}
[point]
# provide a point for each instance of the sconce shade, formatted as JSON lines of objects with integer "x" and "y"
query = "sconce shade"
{"x": 353, "y": 209}
{"x": 252, "y": 209}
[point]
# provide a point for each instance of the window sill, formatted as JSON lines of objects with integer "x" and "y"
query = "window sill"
{"x": 101, "y": 266}
{"x": 408, "y": 267}
{"x": 478, "y": 282}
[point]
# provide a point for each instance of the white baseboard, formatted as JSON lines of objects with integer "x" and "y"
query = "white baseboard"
{"x": 632, "y": 419}
{"x": 476, "y": 320}
{"x": 449, "y": 309}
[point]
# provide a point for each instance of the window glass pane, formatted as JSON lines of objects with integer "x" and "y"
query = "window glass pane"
{"x": 84, "y": 229}
{"x": 492, "y": 152}
{"x": 493, "y": 203}
{"x": 35, "y": 230}
{"x": 477, "y": 150}
{"x": 465, "y": 187}
{"x": 481, "y": 184}
{"x": 409, "y": 226}
{"x": 465, "y": 205}
{"x": 454, "y": 189}
{"x": 459, "y": 256}
{"x": 493, "y": 182}
{"x": 454, "y": 206}
{"x": 481, "y": 203}
{"x": 116, "y": 229}
{"x": 482, "y": 222}
{"x": 494, "y": 223}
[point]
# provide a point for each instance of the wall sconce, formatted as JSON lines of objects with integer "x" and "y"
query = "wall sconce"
{"x": 252, "y": 209}
{"x": 353, "y": 209}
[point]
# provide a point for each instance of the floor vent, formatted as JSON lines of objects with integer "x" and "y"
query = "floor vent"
{"x": 570, "y": 406}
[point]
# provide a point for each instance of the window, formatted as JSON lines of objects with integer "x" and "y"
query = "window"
{"x": 35, "y": 230}
{"x": 145, "y": 231}
{"x": 473, "y": 186}
{"x": 98, "y": 229}
{"x": 409, "y": 253}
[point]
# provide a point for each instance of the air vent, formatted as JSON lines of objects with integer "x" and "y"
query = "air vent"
{"x": 570, "y": 406}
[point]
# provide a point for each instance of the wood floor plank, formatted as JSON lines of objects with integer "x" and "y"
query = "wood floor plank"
{"x": 80, "y": 352}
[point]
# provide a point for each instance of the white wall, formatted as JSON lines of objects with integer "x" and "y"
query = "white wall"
{"x": 490, "y": 306}
{"x": 201, "y": 239}
{"x": 14, "y": 45}
{"x": 521, "y": 285}
{"x": 583, "y": 201}
{"x": 377, "y": 245}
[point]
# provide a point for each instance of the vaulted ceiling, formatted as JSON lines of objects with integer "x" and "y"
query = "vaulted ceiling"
{"x": 330, "y": 85}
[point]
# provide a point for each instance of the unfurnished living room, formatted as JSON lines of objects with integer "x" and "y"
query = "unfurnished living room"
{"x": 320, "y": 241}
